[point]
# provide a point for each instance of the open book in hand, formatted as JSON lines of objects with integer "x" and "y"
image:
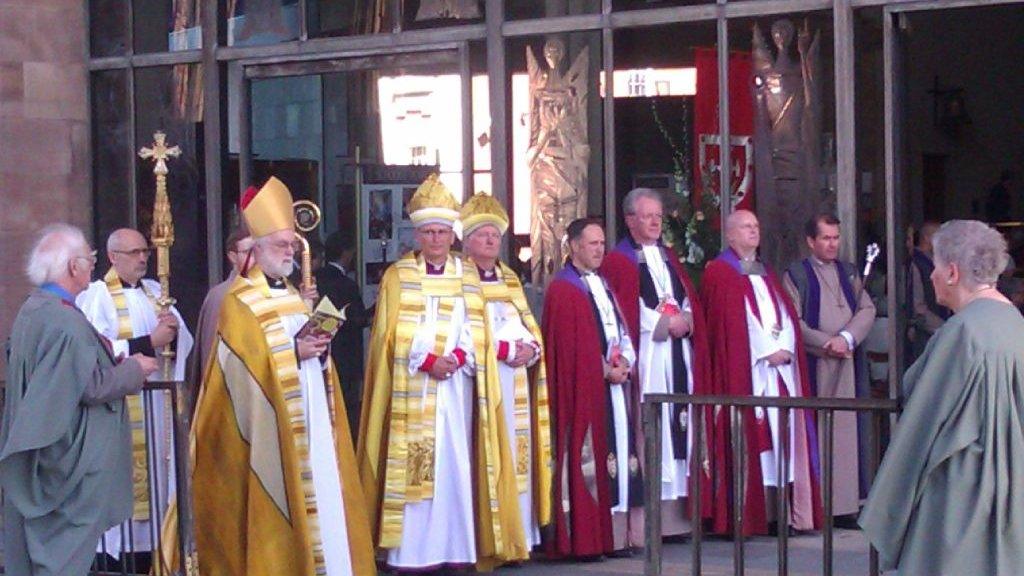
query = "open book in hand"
{"x": 325, "y": 320}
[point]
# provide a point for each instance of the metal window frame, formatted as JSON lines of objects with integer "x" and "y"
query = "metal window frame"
{"x": 496, "y": 31}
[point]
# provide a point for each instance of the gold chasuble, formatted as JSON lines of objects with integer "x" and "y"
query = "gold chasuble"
{"x": 396, "y": 441}
{"x": 532, "y": 441}
{"x": 255, "y": 504}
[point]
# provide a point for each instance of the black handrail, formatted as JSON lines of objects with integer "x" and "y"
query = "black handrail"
{"x": 179, "y": 446}
{"x": 825, "y": 407}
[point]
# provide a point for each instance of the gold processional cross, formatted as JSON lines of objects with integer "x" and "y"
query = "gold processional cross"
{"x": 162, "y": 236}
{"x": 162, "y": 233}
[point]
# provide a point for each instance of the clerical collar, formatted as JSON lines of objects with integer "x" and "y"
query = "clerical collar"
{"x": 339, "y": 267}
{"x": 59, "y": 292}
{"x": 128, "y": 285}
{"x": 488, "y": 275}
{"x": 434, "y": 270}
{"x": 582, "y": 273}
{"x": 640, "y": 246}
{"x": 278, "y": 283}
{"x": 748, "y": 267}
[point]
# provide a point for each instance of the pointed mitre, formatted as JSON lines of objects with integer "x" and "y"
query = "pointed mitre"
{"x": 433, "y": 204}
{"x": 268, "y": 209}
{"x": 483, "y": 209}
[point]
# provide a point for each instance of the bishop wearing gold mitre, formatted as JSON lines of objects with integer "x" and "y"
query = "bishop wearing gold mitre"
{"x": 517, "y": 393}
{"x": 277, "y": 488}
{"x": 416, "y": 451}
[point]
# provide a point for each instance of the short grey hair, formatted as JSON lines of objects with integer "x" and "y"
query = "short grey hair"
{"x": 978, "y": 251}
{"x": 629, "y": 202}
{"x": 54, "y": 249}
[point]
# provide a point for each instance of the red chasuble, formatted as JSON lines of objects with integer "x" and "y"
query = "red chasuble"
{"x": 724, "y": 293}
{"x": 579, "y": 420}
{"x": 621, "y": 269}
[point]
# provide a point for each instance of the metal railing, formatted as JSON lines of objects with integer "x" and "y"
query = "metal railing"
{"x": 129, "y": 560}
{"x": 825, "y": 408}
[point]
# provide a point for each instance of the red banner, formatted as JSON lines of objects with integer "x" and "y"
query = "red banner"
{"x": 707, "y": 140}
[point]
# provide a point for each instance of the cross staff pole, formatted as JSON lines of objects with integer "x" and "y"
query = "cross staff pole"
{"x": 162, "y": 233}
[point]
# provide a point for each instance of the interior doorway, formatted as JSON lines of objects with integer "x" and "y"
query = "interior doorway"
{"x": 963, "y": 111}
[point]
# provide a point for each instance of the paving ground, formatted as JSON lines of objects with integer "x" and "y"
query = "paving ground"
{"x": 805, "y": 559}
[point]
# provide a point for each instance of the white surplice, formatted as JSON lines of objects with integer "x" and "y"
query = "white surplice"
{"x": 615, "y": 334}
{"x": 768, "y": 336}
{"x": 440, "y": 529}
{"x": 327, "y": 482}
{"x": 656, "y": 373}
{"x": 98, "y": 306}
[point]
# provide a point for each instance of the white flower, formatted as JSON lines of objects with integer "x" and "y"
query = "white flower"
{"x": 695, "y": 254}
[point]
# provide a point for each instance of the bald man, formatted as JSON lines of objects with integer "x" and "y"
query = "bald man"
{"x": 756, "y": 350}
{"x": 122, "y": 306}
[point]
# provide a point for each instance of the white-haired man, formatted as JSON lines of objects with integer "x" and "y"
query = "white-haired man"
{"x": 520, "y": 408}
{"x": 122, "y": 306}
{"x": 65, "y": 442}
{"x": 273, "y": 454}
{"x": 666, "y": 323}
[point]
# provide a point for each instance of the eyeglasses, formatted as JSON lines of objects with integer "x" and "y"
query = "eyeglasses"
{"x": 442, "y": 233}
{"x": 135, "y": 253}
{"x": 90, "y": 257}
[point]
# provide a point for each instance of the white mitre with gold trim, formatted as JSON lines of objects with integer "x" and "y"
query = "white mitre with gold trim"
{"x": 483, "y": 209}
{"x": 433, "y": 203}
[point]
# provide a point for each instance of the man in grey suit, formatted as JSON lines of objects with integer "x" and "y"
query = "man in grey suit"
{"x": 65, "y": 441}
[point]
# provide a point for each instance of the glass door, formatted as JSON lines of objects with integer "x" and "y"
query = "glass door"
{"x": 357, "y": 136}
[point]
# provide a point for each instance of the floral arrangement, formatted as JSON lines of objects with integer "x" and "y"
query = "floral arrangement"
{"x": 689, "y": 227}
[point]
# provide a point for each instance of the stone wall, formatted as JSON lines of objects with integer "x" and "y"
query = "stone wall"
{"x": 44, "y": 133}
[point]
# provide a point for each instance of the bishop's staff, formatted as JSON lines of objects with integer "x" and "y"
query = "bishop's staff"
{"x": 162, "y": 234}
{"x": 307, "y": 218}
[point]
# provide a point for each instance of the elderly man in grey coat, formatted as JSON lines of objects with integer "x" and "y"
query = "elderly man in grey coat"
{"x": 65, "y": 443}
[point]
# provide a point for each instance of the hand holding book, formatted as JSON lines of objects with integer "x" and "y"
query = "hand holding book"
{"x": 326, "y": 320}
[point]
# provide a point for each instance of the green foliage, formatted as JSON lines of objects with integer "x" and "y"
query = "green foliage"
{"x": 689, "y": 227}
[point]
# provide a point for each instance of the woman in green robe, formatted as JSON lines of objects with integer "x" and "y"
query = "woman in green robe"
{"x": 944, "y": 500}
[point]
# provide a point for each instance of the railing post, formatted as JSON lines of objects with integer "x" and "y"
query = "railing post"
{"x": 826, "y": 489}
{"x": 697, "y": 456}
{"x": 738, "y": 482}
{"x": 153, "y": 455}
{"x": 781, "y": 489}
{"x": 652, "y": 476}
{"x": 183, "y": 495}
{"x": 874, "y": 456}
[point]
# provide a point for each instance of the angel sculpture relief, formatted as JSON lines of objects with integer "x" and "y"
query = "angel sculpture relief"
{"x": 787, "y": 137}
{"x": 558, "y": 154}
